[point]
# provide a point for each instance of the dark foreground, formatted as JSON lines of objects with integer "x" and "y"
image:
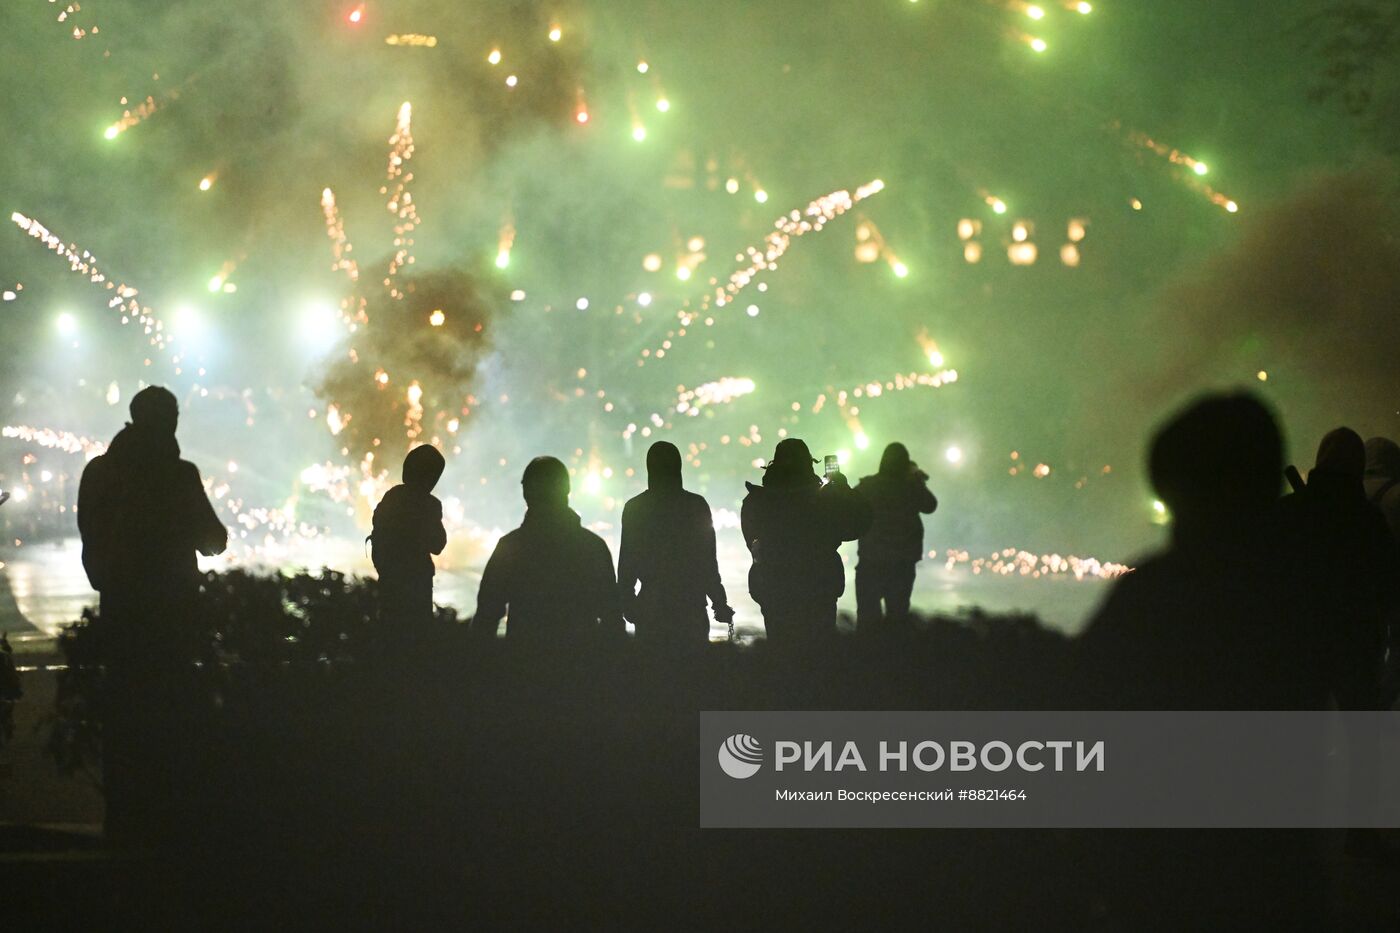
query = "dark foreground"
{"x": 447, "y": 784}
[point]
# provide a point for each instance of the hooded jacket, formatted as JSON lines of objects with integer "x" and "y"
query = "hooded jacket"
{"x": 898, "y": 495}
{"x": 408, "y": 520}
{"x": 143, "y": 515}
{"x": 553, "y": 576}
{"x": 794, "y": 526}
{"x": 668, "y": 545}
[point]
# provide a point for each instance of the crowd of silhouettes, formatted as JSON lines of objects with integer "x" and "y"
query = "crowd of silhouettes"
{"x": 1257, "y": 602}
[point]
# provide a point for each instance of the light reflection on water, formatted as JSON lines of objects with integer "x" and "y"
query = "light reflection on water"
{"x": 47, "y": 586}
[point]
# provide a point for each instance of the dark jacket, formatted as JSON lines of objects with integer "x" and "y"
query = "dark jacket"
{"x": 794, "y": 527}
{"x": 1213, "y": 623}
{"x": 1344, "y": 552}
{"x": 407, "y": 529}
{"x": 553, "y": 576}
{"x": 143, "y": 515}
{"x": 668, "y": 545}
{"x": 896, "y": 534}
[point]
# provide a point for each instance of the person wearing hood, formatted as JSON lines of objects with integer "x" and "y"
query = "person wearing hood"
{"x": 143, "y": 516}
{"x": 407, "y": 531}
{"x": 794, "y": 525}
{"x": 668, "y": 547}
{"x": 551, "y": 579}
{"x": 890, "y": 550}
{"x": 1382, "y": 480}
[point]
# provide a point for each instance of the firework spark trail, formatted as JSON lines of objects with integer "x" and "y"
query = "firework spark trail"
{"x": 352, "y": 307}
{"x": 1195, "y": 167}
{"x": 874, "y": 389}
{"x": 84, "y": 263}
{"x": 66, "y": 441}
{"x": 400, "y": 202}
{"x": 413, "y": 39}
{"x": 720, "y": 392}
{"x": 1015, "y": 562}
{"x": 140, "y": 112}
{"x": 794, "y": 224}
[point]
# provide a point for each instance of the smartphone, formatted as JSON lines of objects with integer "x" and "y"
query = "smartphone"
{"x": 832, "y": 465}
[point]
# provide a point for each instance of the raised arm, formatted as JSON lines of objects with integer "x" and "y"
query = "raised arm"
{"x": 924, "y": 499}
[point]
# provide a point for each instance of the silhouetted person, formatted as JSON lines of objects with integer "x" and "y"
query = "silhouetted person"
{"x": 143, "y": 516}
{"x": 1349, "y": 562}
{"x": 1382, "y": 480}
{"x": 1215, "y": 621}
{"x": 407, "y": 532}
{"x": 794, "y": 526}
{"x": 551, "y": 578}
{"x": 1351, "y": 567}
{"x": 889, "y": 551}
{"x": 668, "y": 546}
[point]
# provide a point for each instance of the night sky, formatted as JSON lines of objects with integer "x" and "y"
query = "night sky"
{"x": 947, "y": 103}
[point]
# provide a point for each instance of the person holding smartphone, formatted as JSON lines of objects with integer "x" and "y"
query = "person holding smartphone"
{"x": 794, "y": 524}
{"x": 890, "y": 551}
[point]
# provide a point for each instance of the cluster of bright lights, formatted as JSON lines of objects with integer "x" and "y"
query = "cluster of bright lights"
{"x": 78, "y": 31}
{"x": 85, "y": 264}
{"x": 400, "y": 202}
{"x": 720, "y": 392}
{"x": 1015, "y": 562}
{"x": 219, "y": 282}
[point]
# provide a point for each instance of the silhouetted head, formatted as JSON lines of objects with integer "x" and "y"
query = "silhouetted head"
{"x": 895, "y": 460}
{"x": 154, "y": 409}
{"x": 1218, "y": 462}
{"x": 663, "y": 466}
{"x": 1382, "y": 458}
{"x": 546, "y": 483}
{"x": 423, "y": 467}
{"x": 1342, "y": 453}
{"x": 791, "y": 460}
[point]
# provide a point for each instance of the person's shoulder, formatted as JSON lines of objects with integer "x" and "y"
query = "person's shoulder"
{"x": 393, "y": 496}
{"x": 187, "y": 470}
{"x": 509, "y": 541}
{"x": 638, "y": 501}
{"x": 594, "y": 542}
{"x": 97, "y": 465}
